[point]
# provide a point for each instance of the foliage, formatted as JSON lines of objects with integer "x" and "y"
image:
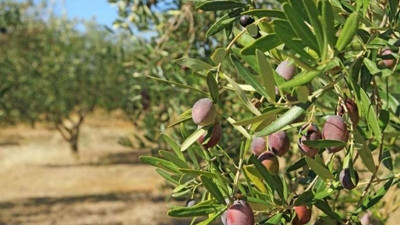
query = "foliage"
{"x": 50, "y": 71}
{"x": 337, "y": 47}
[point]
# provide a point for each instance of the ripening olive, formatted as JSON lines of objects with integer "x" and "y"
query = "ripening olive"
{"x": 246, "y": 20}
{"x": 239, "y": 213}
{"x": 303, "y": 215}
{"x": 258, "y": 145}
{"x": 312, "y": 134}
{"x": 203, "y": 112}
{"x": 367, "y": 219}
{"x": 270, "y": 161}
{"x": 286, "y": 69}
{"x": 335, "y": 129}
{"x": 190, "y": 202}
{"x": 388, "y": 62}
{"x": 214, "y": 138}
{"x": 279, "y": 143}
{"x": 352, "y": 109}
{"x": 345, "y": 179}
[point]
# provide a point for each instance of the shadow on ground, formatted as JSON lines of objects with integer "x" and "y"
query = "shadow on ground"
{"x": 118, "y": 158}
{"x": 89, "y": 209}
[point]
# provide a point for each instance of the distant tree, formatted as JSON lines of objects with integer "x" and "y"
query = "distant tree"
{"x": 54, "y": 72}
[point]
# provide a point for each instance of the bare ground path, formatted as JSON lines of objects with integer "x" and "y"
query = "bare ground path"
{"x": 41, "y": 183}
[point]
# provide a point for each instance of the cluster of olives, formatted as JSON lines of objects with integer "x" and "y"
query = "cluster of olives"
{"x": 268, "y": 149}
{"x": 204, "y": 114}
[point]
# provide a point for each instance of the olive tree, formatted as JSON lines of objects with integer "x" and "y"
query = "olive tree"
{"x": 310, "y": 115}
{"x": 56, "y": 73}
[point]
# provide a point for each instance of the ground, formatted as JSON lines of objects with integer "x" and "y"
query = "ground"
{"x": 41, "y": 183}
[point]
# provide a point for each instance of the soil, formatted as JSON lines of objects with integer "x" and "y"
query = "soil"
{"x": 42, "y": 183}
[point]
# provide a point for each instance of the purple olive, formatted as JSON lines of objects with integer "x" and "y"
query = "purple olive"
{"x": 352, "y": 109}
{"x": 367, "y": 219}
{"x": 286, "y": 69}
{"x": 190, "y": 202}
{"x": 239, "y": 213}
{"x": 270, "y": 161}
{"x": 203, "y": 112}
{"x": 215, "y": 136}
{"x": 345, "y": 179}
{"x": 303, "y": 215}
{"x": 312, "y": 134}
{"x": 279, "y": 143}
{"x": 246, "y": 20}
{"x": 258, "y": 145}
{"x": 335, "y": 129}
{"x": 388, "y": 62}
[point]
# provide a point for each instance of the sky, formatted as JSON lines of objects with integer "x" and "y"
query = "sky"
{"x": 101, "y": 10}
{"x": 104, "y": 12}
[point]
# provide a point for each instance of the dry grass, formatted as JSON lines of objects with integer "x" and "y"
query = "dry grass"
{"x": 41, "y": 183}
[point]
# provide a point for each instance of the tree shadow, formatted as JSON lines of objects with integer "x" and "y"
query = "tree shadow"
{"x": 119, "y": 158}
{"x": 43, "y": 210}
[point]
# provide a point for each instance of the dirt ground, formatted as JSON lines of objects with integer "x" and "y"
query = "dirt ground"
{"x": 42, "y": 183}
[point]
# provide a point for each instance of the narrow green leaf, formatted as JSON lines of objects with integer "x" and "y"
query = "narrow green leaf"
{"x": 302, "y": 93}
{"x": 213, "y": 189}
{"x": 173, "y": 158}
{"x": 264, "y": 43}
{"x": 373, "y": 199}
{"x": 174, "y": 146}
{"x": 255, "y": 177}
{"x": 267, "y": 75}
{"x": 301, "y": 28}
{"x": 249, "y": 59}
{"x": 324, "y": 207}
{"x": 386, "y": 159}
{"x": 319, "y": 169}
{"x": 192, "y": 138}
{"x": 287, "y": 118}
{"x": 348, "y": 31}
{"x": 371, "y": 66}
{"x": 211, "y": 218}
{"x": 249, "y": 77}
{"x": 328, "y": 22}
{"x": 194, "y": 64}
{"x": 167, "y": 176}
{"x": 313, "y": 15}
{"x": 300, "y": 79}
{"x": 297, "y": 165}
{"x": 212, "y": 87}
{"x": 224, "y": 22}
{"x": 270, "y": 114}
{"x": 219, "y": 55}
{"x": 369, "y": 114}
{"x": 197, "y": 210}
{"x": 324, "y": 143}
{"x": 239, "y": 128}
{"x": 265, "y": 13}
{"x": 284, "y": 34}
{"x": 264, "y": 173}
{"x": 364, "y": 152}
{"x": 197, "y": 172}
{"x": 276, "y": 219}
{"x": 220, "y": 5}
{"x": 162, "y": 163}
{"x": 304, "y": 198}
{"x": 242, "y": 96}
{"x": 177, "y": 84}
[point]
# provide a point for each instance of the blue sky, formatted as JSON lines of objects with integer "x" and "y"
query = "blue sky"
{"x": 101, "y": 10}
{"x": 104, "y": 12}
